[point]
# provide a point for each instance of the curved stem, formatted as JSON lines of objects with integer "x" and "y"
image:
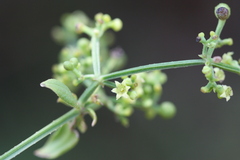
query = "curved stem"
{"x": 156, "y": 66}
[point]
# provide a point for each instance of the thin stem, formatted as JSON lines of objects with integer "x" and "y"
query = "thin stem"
{"x": 50, "y": 127}
{"x": 219, "y": 27}
{"x": 218, "y": 31}
{"x": 87, "y": 93}
{"x": 156, "y": 66}
{"x": 95, "y": 56}
{"x": 227, "y": 67}
{"x": 40, "y": 134}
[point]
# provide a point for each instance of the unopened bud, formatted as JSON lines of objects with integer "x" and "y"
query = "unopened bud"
{"x": 222, "y": 11}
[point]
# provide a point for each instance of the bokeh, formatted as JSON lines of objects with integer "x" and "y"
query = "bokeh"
{"x": 205, "y": 128}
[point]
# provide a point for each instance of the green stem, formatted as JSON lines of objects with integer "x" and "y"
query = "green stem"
{"x": 218, "y": 31}
{"x": 95, "y": 56}
{"x": 227, "y": 67}
{"x": 156, "y": 66}
{"x": 40, "y": 135}
{"x": 87, "y": 93}
{"x": 50, "y": 127}
{"x": 219, "y": 27}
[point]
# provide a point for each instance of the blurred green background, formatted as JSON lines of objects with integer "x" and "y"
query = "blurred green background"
{"x": 205, "y": 128}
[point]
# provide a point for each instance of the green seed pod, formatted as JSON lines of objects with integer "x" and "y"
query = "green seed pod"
{"x": 222, "y": 11}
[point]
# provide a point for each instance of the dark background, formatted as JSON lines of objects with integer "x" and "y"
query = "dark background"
{"x": 205, "y": 128}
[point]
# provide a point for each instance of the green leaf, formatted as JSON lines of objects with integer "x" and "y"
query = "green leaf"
{"x": 58, "y": 143}
{"x": 61, "y": 90}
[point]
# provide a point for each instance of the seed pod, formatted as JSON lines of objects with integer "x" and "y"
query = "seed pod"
{"x": 222, "y": 11}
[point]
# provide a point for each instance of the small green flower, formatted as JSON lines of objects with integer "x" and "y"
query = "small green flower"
{"x": 219, "y": 74}
{"x": 121, "y": 90}
{"x": 224, "y": 91}
{"x": 227, "y": 92}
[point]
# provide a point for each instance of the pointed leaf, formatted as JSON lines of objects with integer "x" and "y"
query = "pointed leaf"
{"x": 58, "y": 143}
{"x": 61, "y": 90}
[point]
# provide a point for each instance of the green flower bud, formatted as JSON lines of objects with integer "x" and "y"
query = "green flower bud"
{"x": 147, "y": 103}
{"x": 116, "y": 24}
{"x": 133, "y": 77}
{"x": 68, "y": 65}
{"x": 147, "y": 89}
{"x": 99, "y": 17}
{"x": 127, "y": 81}
{"x": 106, "y": 18}
{"x": 200, "y": 37}
{"x": 74, "y": 62}
{"x": 206, "y": 89}
{"x": 227, "y": 58}
{"x": 207, "y": 71}
{"x": 83, "y": 43}
{"x": 219, "y": 74}
{"x": 133, "y": 95}
{"x": 167, "y": 110}
{"x": 212, "y": 33}
{"x": 222, "y": 11}
{"x": 123, "y": 110}
{"x": 79, "y": 28}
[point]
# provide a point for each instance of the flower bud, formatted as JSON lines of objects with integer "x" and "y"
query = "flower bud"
{"x": 74, "y": 62}
{"x": 219, "y": 74}
{"x": 79, "y": 28}
{"x": 222, "y": 11}
{"x": 207, "y": 71}
{"x": 83, "y": 43}
{"x": 116, "y": 24}
{"x": 68, "y": 66}
{"x": 167, "y": 110}
{"x": 106, "y": 18}
{"x": 99, "y": 18}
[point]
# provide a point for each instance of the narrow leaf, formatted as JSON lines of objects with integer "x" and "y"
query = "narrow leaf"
{"x": 61, "y": 90}
{"x": 58, "y": 143}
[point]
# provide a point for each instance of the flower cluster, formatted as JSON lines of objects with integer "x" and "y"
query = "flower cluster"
{"x": 77, "y": 47}
{"x": 215, "y": 74}
{"x": 142, "y": 91}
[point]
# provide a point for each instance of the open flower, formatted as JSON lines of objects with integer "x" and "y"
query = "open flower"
{"x": 224, "y": 91}
{"x": 121, "y": 90}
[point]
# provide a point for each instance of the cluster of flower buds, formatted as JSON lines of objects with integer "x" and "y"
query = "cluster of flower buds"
{"x": 214, "y": 75}
{"x": 103, "y": 22}
{"x": 142, "y": 91}
{"x": 80, "y": 48}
